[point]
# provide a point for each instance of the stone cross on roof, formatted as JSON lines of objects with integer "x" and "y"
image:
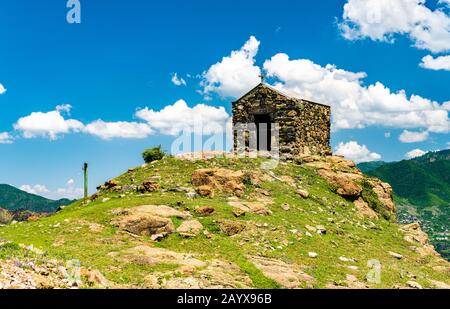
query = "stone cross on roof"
{"x": 262, "y": 76}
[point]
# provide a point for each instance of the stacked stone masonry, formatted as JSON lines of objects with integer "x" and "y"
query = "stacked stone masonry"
{"x": 304, "y": 126}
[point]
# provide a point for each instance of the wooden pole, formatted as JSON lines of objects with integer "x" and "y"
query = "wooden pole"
{"x": 85, "y": 170}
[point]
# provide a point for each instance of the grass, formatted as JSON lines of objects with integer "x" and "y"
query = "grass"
{"x": 67, "y": 234}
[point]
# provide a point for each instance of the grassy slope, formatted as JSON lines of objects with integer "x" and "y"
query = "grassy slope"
{"x": 12, "y": 198}
{"x": 65, "y": 236}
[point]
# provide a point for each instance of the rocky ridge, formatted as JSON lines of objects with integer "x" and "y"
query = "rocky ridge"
{"x": 227, "y": 223}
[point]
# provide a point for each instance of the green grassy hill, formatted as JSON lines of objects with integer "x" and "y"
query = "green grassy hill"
{"x": 12, "y": 198}
{"x": 422, "y": 190}
{"x": 230, "y": 223}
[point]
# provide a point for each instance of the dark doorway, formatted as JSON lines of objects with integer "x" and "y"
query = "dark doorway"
{"x": 263, "y": 132}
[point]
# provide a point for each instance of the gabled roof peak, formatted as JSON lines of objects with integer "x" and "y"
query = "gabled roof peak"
{"x": 272, "y": 88}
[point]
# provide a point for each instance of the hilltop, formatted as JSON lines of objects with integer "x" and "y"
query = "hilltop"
{"x": 228, "y": 223}
{"x": 422, "y": 192}
{"x": 14, "y": 199}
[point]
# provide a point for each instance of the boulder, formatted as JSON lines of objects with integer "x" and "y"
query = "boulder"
{"x": 146, "y": 255}
{"x": 414, "y": 285}
{"x": 346, "y": 183}
{"x": 395, "y": 255}
{"x": 383, "y": 191}
{"x": 364, "y": 210}
{"x": 95, "y": 278}
{"x": 230, "y": 227}
{"x": 287, "y": 275}
{"x": 414, "y": 235}
{"x": 206, "y": 191}
{"x": 220, "y": 179}
{"x": 237, "y": 212}
{"x": 190, "y": 228}
{"x": 144, "y": 224}
{"x": 251, "y": 207}
{"x": 303, "y": 193}
{"x": 148, "y": 187}
{"x": 158, "y": 210}
{"x": 204, "y": 210}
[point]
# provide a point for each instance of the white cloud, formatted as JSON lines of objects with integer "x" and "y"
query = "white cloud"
{"x": 119, "y": 129}
{"x": 35, "y": 189}
{"x": 235, "y": 74}
{"x": 387, "y": 134}
{"x": 415, "y": 153}
{"x": 5, "y": 138}
{"x": 2, "y": 89}
{"x": 175, "y": 118}
{"x": 381, "y": 20}
{"x": 438, "y": 63}
{"x": 70, "y": 191}
{"x": 358, "y": 153}
{"x": 355, "y": 105}
{"x": 50, "y": 124}
{"x": 178, "y": 81}
{"x": 413, "y": 137}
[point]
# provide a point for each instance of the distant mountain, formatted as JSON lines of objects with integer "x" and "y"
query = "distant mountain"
{"x": 13, "y": 199}
{"x": 370, "y": 166}
{"x": 422, "y": 192}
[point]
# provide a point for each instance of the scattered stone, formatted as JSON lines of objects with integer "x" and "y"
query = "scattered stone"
{"x": 396, "y": 255}
{"x": 230, "y": 227}
{"x": 303, "y": 193}
{"x": 104, "y": 200}
{"x": 353, "y": 282}
{"x": 321, "y": 230}
{"x": 308, "y": 234}
{"x": 216, "y": 274}
{"x": 95, "y": 278}
{"x": 312, "y": 255}
{"x": 237, "y": 212}
{"x": 146, "y": 255}
{"x": 191, "y": 195}
{"x": 148, "y": 187}
{"x": 204, "y": 210}
{"x": 285, "y": 207}
{"x": 205, "y": 191}
{"x": 253, "y": 207}
{"x": 287, "y": 275}
{"x": 310, "y": 228}
{"x": 158, "y": 237}
{"x": 345, "y": 259}
{"x": 159, "y": 210}
{"x": 414, "y": 285}
{"x": 207, "y": 234}
{"x": 190, "y": 228}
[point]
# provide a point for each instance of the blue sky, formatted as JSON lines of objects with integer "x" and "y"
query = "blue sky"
{"x": 124, "y": 54}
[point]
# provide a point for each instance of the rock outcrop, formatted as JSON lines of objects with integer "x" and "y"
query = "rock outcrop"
{"x": 210, "y": 179}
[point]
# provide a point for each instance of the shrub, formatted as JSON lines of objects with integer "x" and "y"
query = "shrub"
{"x": 5, "y": 216}
{"x": 371, "y": 198}
{"x": 153, "y": 154}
